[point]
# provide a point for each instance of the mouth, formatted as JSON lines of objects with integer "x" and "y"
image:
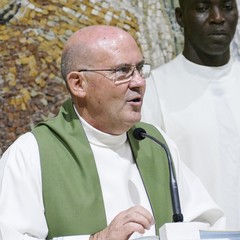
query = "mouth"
{"x": 219, "y": 32}
{"x": 135, "y": 100}
{"x": 218, "y": 36}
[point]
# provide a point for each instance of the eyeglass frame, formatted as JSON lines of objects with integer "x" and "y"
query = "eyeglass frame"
{"x": 115, "y": 70}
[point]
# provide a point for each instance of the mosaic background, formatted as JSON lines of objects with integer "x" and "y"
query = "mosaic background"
{"x": 32, "y": 35}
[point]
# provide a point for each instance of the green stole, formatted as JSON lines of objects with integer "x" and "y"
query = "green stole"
{"x": 71, "y": 188}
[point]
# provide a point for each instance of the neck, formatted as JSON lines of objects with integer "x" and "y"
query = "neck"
{"x": 205, "y": 59}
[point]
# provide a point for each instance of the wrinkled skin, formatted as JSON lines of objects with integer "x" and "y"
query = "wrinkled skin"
{"x": 135, "y": 219}
{"x": 108, "y": 107}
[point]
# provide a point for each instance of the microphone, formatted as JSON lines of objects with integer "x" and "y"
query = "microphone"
{"x": 140, "y": 134}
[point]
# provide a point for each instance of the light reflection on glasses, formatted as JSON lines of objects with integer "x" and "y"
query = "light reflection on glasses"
{"x": 124, "y": 73}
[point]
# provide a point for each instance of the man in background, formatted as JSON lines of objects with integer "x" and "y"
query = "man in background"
{"x": 195, "y": 99}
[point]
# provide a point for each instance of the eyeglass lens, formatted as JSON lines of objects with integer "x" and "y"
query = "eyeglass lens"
{"x": 125, "y": 73}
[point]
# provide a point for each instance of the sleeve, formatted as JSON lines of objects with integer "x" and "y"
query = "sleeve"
{"x": 21, "y": 204}
{"x": 196, "y": 203}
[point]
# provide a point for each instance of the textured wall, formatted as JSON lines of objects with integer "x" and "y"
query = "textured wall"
{"x": 32, "y": 35}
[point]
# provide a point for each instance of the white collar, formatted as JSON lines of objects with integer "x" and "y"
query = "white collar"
{"x": 211, "y": 73}
{"x": 100, "y": 138}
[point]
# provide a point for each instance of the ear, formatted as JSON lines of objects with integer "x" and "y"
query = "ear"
{"x": 77, "y": 84}
{"x": 179, "y": 16}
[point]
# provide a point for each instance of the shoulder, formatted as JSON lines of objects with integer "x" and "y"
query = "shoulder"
{"x": 236, "y": 64}
{"x": 24, "y": 142}
{"x": 23, "y": 152}
{"x": 169, "y": 66}
{"x": 167, "y": 74}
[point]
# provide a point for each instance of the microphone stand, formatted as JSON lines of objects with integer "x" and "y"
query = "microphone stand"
{"x": 177, "y": 214}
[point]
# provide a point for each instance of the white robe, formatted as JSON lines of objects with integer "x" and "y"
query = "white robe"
{"x": 21, "y": 204}
{"x": 199, "y": 108}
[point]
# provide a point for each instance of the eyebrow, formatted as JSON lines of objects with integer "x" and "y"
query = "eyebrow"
{"x": 129, "y": 64}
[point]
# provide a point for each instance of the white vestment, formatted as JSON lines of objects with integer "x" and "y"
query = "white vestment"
{"x": 21, "y": 204}
{"x": 199, "y": 108}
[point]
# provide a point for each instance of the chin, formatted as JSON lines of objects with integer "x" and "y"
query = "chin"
{"x": 136, "y": 118}
{"x": 130, "y": 118}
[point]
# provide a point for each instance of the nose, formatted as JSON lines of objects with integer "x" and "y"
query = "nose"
{"x": 217, "y": 15}
{"x": 137, "y": 80}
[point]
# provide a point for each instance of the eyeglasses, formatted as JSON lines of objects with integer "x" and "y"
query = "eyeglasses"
{"x": 124, "y": 73}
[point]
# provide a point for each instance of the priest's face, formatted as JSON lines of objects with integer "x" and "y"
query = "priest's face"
{"x": 209, "y": 25}
{"x": 113, "y": 102}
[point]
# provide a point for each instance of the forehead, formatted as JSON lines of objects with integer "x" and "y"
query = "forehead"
{"x": 118, "y": 50}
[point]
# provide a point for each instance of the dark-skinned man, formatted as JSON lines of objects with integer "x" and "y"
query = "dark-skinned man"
{"x": 195, "y": 99}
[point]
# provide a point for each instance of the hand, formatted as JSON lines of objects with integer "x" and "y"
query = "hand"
{"x": 135, "y": 219}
